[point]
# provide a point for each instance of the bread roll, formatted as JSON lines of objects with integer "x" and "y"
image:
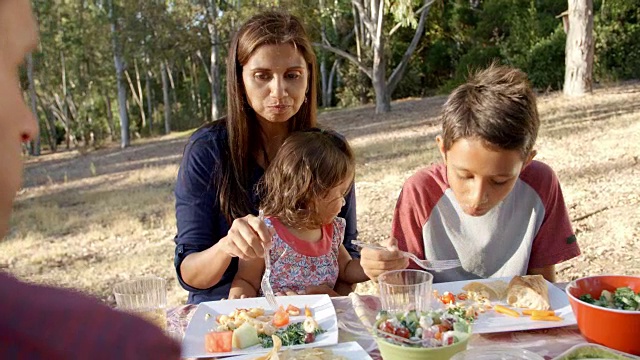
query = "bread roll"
{"x": 529, "y": 292}
{"x": 492, "y": 290}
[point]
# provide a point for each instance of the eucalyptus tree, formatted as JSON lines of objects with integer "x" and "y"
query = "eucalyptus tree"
{"x": 369, "y": 28}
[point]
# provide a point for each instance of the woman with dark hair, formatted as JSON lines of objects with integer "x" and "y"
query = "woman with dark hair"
{"x": 271, "y": 92}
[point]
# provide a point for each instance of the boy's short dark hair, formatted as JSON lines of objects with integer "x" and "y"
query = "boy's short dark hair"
{"x": 495, "y": 105}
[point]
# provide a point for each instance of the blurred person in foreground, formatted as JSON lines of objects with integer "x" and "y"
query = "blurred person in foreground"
{"x": 38, "y": 322}
{"x": 488, "y": 203}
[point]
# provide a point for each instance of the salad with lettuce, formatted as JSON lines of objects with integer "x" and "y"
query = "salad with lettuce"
{"x": 433, "y": 328}
{"x": 622, "y": 299}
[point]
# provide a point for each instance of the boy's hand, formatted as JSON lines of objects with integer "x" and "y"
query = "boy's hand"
{"x": 375, "y": 262}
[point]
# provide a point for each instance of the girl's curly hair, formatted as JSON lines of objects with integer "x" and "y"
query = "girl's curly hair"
{"x": 308, "y": 164}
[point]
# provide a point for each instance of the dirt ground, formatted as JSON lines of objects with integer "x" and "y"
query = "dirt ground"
{"x": 87, "y": 221}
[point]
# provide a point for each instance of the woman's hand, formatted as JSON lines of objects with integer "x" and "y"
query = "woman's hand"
{"x": 375, "y": 262}
{"x": 247, "y": 238}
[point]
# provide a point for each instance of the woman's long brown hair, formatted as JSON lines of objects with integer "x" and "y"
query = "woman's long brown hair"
{"x": 273, "y": 27}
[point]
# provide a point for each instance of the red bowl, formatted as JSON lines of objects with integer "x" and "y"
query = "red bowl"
{"x": 617, "y": 329}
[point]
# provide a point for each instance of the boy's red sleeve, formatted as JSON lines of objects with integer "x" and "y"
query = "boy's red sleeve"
{"x": 415, "y": 203}
{"x": 555, "y": 242}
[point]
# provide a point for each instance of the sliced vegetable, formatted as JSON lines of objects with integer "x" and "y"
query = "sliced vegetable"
{"x": 505, "y": 310}
{"x": 221, "y": 341}
{"x": 546, "y": 318}
{"x": 538, "y": 312}
{"x": 245, "y": 336}
{"x": 448, "y": 298}
{"x": 293, "y": 311}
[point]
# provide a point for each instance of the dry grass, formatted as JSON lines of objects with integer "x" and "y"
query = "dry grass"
{"x": 89, "y": 220}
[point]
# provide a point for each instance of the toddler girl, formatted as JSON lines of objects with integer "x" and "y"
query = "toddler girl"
{"x": 302, "y": 192}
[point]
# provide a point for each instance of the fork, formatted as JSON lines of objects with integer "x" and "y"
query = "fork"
{"x": 434, "y": 265}
{"x": 267, "y": 290}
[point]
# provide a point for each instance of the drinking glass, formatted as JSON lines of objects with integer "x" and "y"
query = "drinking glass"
{"x": 405, "y": 290}
{"x": 146, "y": 297}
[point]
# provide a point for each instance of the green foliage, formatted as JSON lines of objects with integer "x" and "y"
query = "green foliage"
{"x": 545, "y": 61}
{"x": 617, "y": 29}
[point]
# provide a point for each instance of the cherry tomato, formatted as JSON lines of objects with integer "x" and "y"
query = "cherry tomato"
{"x": 448, "y": 298}
{"x": 387, "y": 327}
{"x": 280, "y": 318}
{"x": 403, "y": 332}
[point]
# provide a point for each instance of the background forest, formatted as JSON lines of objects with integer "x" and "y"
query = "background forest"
{"x": 91, "y": 216}
{"x": 165, "y": 59}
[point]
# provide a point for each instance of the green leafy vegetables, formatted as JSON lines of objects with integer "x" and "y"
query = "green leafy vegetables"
{"x": 622, "y": 299}
{"x": 293, "y": 334}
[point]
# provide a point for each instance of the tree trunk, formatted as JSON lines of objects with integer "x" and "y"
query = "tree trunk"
{"x": 122, "y": 90}
{"x": 578, "y": 76}
{"x": 165, "y": 95}
{"x": 216, "y": 92}
{"x": 324, "y": 81}
{"x": 332, "y": 75}
{"x": 63, "y": 108}
{"x": 143, "y": 116}
{"x": 112, "y": 126}
{"x": 50, "y": 126}
{"x": 35, "y": 143}
{"x": 149, "y": 103}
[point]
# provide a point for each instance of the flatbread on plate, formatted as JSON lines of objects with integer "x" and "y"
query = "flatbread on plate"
{"x": 529, "y": 291}
{"x": 492, "y": 290}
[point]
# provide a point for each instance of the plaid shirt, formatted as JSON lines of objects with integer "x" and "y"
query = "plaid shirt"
{"x": 38, "y": 322}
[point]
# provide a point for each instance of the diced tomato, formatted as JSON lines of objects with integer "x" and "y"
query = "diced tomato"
{"x": 462, "y": 296}
{"x": 387, "y": 327}
{"x": 218, "y": 341}
{"x": 403, "y": 332}
{"x": 292, "y": 310}
{"x": 281, "y": 317}
{"x": 448, "y": 298}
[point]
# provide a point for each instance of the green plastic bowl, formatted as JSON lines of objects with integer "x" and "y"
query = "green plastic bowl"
{"x": 391, "y": 351}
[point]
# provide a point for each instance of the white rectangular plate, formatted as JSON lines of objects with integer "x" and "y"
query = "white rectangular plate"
{"x": 492, "y": 322}
{"x": 320, "y": 305}
{"x": 350, "y": 350}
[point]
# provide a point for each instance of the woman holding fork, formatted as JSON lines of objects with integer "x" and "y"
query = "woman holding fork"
{"x": 271, "y": 92}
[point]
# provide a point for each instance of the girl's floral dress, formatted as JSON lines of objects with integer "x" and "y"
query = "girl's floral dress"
{"x": 296, "y": 264}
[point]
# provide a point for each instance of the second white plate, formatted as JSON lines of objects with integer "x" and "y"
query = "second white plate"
{"x": 492, "y": 322}
{"x": 350, "y": 350}
{"x": 200, "y": 324}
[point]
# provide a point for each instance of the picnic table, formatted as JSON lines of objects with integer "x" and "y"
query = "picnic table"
{"x": 548, "y": 343}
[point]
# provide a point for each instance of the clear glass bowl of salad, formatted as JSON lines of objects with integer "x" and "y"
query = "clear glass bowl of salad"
{"x": 436, "y": 334}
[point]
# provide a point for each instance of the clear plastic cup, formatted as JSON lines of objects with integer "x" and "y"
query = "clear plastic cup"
{"x": 405, "y": 290}
{"x": 146, "y": 297}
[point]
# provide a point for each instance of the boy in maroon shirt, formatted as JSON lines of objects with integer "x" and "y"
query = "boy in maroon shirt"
{"x": 38, "y": 322}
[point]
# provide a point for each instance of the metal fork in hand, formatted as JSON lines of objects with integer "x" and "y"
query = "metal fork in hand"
{"x": 434, "y": 265}
{"x": 267, "y": 290}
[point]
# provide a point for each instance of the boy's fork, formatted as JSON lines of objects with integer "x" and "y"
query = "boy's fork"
{"x": 267, "y": 290}
{"x": 434, "y": 265}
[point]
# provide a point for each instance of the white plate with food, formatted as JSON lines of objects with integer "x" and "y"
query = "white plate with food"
{"x": 517, "y": 296}
{"x": 245, "y": 326}
{"x": 342, "y": 351}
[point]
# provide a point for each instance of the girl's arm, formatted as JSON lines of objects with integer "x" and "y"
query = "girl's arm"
{"x": 247, "y": 279}
{"x": 350, "y": 269}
